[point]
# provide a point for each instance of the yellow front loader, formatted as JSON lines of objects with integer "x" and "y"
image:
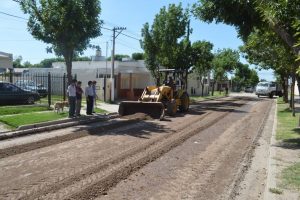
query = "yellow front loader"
{"x": 156, "y": 101}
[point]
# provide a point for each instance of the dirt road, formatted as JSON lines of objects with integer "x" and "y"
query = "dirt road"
{"x": 200, "y": 155}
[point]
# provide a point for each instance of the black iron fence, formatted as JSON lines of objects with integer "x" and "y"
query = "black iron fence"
{"x": 50, "y": 87}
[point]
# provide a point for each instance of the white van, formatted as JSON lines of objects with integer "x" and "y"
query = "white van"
{"x": 268, "y": 89}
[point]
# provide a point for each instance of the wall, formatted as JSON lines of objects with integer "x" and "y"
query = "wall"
{"x": 195, "y": 86}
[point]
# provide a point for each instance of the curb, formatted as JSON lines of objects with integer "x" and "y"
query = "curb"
{"x": 271, "y": 178}
{"x": 54, "y": 125}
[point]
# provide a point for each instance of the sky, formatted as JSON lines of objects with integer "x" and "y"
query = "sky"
{"x": 132, "y": 14}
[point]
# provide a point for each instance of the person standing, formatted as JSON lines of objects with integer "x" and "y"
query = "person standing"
{"x": 95, "y": 96}
{"x": 89, "y": 94}
{"x": 72, "y": 98}
{"x": 79, "y": 92}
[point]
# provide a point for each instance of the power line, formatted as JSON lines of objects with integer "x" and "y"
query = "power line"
{"x": 4, "y": 13}
{"x": 130, "y": 36}
{"x": 130, "y": 47}
{"x": 106, "y": 28}
{"x": 127, "y": 30}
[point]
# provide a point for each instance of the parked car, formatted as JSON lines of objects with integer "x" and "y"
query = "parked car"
{"x": 268, "y": 89}
{"x": 12, "y": 94}
{"x": 249, "y": 89}
{"x": 32, "y": 86}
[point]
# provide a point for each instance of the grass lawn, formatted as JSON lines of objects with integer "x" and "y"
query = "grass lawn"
{"x": 29, "y": 118}
{"x": 11, "y": 110}
{"x": 291, "y": 176}
{"x": 199, "y": 98}
{"x": 289, "y": 134}
{"x": 99, "y": 110}
{"x": 54, "y": 98}
{"x": 286, "y": 125}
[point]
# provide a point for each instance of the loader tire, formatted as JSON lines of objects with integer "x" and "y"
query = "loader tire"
{"x": 171, "y": 108}
{"x": 185, "y": 102}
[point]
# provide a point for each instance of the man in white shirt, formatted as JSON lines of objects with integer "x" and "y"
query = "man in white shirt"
{"x": 89, "y": 94}
{"x": 72, "y": 98}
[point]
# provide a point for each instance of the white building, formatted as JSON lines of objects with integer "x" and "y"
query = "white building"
{"x": 6, "y": 61}
{"x": 131, "y": 77}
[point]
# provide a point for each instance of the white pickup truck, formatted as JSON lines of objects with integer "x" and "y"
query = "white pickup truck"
{"x": 268, "y": 89}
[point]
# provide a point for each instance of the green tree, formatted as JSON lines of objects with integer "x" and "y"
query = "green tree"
{"x": 84, "y": 58}
{"x": 17, "y": 62}
{"x": 166, "y": 42}
{"x": 244, "y": 76}
{"x": 151, "y": 52}
{"x": 27, "y": 64}
{"x": 47, "y": 63}
{"x": 266, "y": 50}
{"x": 203, "y": 57}
{"x": 67, "y": 25}
{"x": 281, "y": 17}
{"x": 224, "y": 61}
{"x": 138, "y": 56}
{"x": 119, "y": 57}
{"x": 254, "y": 79}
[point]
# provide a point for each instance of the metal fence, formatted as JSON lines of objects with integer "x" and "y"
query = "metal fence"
{"x": 51, "y": 87}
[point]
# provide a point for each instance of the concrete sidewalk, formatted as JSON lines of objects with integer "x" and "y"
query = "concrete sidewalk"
{"x": 111, "y": 108}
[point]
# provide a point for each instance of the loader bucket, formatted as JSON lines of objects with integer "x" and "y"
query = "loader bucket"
{"x": 153, "y": 109}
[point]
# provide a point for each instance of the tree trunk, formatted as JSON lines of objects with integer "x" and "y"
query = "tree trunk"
{"x": 68, "y": 56}
{"x": 202, "y": 88}
{"x": 284, "y": 85}
{"x": 213, "y": 89}
{"x": 157, "y": 80}
{"x": 186, "y": 79}
{"x": 286, "y": 37}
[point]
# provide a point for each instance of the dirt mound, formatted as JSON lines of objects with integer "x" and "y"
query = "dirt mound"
{"x": 137, "y": 116}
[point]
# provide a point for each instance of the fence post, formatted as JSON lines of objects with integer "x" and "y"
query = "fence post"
{"x": 64, "y": 86}
{"x": 11, "y": 75}
{"x": 49, "y": 89}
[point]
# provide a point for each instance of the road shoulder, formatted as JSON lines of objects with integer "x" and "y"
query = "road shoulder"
{"x": 255, "y": 180}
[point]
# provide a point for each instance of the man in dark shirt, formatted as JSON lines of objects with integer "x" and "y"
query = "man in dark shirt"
{"x": 79, "y": 92}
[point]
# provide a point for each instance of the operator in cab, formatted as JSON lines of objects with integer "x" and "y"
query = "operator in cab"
{"x": 171, "y": 83}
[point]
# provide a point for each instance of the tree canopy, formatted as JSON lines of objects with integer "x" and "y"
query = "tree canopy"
{"x": 282, "y": 17}
{"x": 224, "y": 61}
{"x": 279, "y": 17}
{"x": 67, "y": 25}
{"x": 166, "y": 42}
{"x": 238, "y": 13}
{"x": 266, "y": 50}
{"x": 244, "y": 76}
{"x": 45, "y": 63}
{"x": 138, "y": 56}
{"x": 203, "y": 56}
{"x": 119, "y": 57}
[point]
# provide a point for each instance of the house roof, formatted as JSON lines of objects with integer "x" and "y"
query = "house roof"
{"x": 6, "y": 60}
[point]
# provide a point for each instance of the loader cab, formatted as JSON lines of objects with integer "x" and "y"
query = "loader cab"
{"x": 176, "y": 76}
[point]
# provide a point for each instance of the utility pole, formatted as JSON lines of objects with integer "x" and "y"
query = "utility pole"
{"x": 105, "y": 77}
{"x": 120, "y": 29}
